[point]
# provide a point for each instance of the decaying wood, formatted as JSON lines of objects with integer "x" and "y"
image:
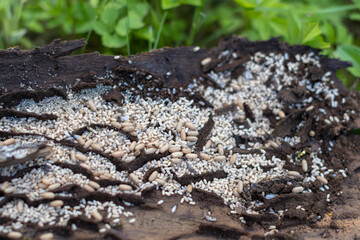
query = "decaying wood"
{"x": 22, "y": 152}
{"x": 47, "y": 71}
{"x": 50, "y": 70}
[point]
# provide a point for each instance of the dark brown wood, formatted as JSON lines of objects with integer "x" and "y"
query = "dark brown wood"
{"x": 20, "y": 153}
{"x": 50, "y": 70}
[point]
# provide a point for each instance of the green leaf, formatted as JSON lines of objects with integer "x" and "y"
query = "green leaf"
{"x": 345, "y": 76}
{"x": 167, "y": 4}
{"x": 355, "y": 16}
{"x": 247, "y": 4}
{"x": 145, "y": 34}
{"x": 16, "y": 35}
{"x": 119, "y": 3}
{"x": 57, "y": 21}
{"x": 94, "y": 3}
{"x": 318, "y": 42}
{"x": 262, "y": 27}
{"x": 68, "y": 26}
{"x": 35, "y": 26}
{"x": 113, "y": 40}
{"x": 329, "y": 32}
{"x": 342, "y": 35}
{"x": 89, "y": 10}
{"x": 46, "y": 5}
{"x": 26, "y": 42}
{"x": 109, "y": 16}
{"x": 357, "y": 3}
{"x": 100, "y": 28}
{"x": 135, "y": 20}
{"x": 350, "y": 53}
{"x": 141, "y": 8}
{"x": 84, "y": 27}
{"x": 293, "y": 28}
{"x": 251, "y": 34}
{"x": 308, "y": 31}
{"x": 279, "y": 27}
{"x": 336, "y": 9}
{"x": 76, "y": 11}
{"x": 121, "y": 27}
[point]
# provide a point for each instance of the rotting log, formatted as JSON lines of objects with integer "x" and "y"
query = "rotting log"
{"x": 50, "y": 70}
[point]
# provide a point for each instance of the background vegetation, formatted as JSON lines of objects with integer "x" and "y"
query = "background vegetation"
{"x": 131, "y": 26}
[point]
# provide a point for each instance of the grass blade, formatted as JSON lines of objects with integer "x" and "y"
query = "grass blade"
{"x": 335, "y": 9}
{"x": 160, "y": 30}
{"x": 127, "y": 29}
{"x": 88, "y": 35}
{"x": 195, "y": 23}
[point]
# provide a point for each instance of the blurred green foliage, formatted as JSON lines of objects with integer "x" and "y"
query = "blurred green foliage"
{"x": 132, "y": 26}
